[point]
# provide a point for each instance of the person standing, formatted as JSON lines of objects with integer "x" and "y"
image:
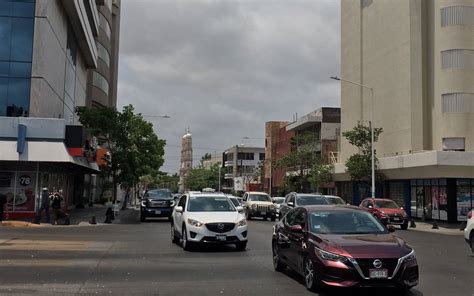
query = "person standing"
{"x": 3, "y": 202}
{"x": 44, "y": 204}
{"x": 59, "y": 214}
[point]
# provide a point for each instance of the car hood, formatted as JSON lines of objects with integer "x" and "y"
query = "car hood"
{"x": 364, "y": 246}
{"x": 391, "y": 211}
{"x": 214, "y": 217}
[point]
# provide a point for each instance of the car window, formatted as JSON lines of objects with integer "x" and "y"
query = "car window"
{"x": 210, "y": 204}
{"x": 307, "y": 200}
{"x": 364, "y": 204}
{"x": 295, "y": 217}
{"x": 386, "y": 204}
{"x": 158, "y": 194}
{"x": 235, "y": 201}
{"x": 345, "y": 222}
{"x": 182, "y": 202}
{"x": 291, "y": 198}
{"x": 259, "y": 197}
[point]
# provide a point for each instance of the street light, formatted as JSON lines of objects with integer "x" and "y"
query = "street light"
{"x": 370, "y": 126}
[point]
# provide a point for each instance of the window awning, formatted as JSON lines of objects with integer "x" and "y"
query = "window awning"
{"x": 43, "y": 151}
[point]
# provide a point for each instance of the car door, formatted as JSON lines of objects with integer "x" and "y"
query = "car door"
{"x": 178, "y": 217}
{"x": 297, "y": 240}
{"x": 283, "y": 239}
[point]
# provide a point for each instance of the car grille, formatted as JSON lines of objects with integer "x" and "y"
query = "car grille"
{"x": 367, "y": 264}
{"x": 261, "y": 208}
{"x": 220, "y": 227}
{"x": 160, "y": 203}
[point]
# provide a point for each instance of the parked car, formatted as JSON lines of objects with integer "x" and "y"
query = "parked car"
{"x": 277, "y": 201}
{"x": 294, "y": 200}
{"x": 156, "y": 203}
{"x": 335, "y": 200}
{"x": 469, "y": 230}
{"x": 208, "y": 218}
{"x": 342, "y": 246}
{"x": 387, "y": 211}
{"x": 236, "y": 201}
{"x": 259, "y": 204}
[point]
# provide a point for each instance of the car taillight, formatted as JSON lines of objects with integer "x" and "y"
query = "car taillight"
{"x": 469, "y": 215}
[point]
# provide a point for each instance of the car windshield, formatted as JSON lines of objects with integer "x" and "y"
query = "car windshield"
{"x": 334, "y": 200}
{"x": 278, "y": 200}
{"x": 386, "y": 204}
{"x": 162, "y": 194}
{"x": 345, "y": 222}
{"x": 235, "y": 201}
{"x": 308, "y": 200}
{"x": 210, "y": 204}
{"x": 259, "y": 197}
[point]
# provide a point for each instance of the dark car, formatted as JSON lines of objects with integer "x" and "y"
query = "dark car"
{"x": 387, "y": 211}
{"x": 334, "y": 200}
{"x": 294, "y": 199}
{"x": 156, "y": 203}
{"x": 342, "y": 246}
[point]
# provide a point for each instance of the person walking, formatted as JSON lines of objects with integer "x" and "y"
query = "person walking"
{"x": 44, "y": 204}
{"x": 3, "y": 202}
{"x": 56, "y": 204}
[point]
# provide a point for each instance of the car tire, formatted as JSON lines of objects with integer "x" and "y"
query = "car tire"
{"x": 174, "y": 237}
{"x": 310, "y": 279}
{"x": 404, "y": 226}
{"x": 241, "y": 246}
{"x": 277, "y": 264}
{"x": 187, "y": 246}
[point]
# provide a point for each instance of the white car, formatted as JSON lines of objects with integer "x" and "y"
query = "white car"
{"x": 469, "y": 230}
{"x": 208, "y": 218}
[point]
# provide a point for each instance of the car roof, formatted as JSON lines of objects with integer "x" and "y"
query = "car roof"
{"x": 379, "y": 199}
{"x": 257, "y": 192}
{"x": 210, "y": 194}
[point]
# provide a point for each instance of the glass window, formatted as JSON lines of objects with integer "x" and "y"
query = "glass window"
{"x": 18, "y": 97}
{"x": 259, "y": 197}
{"x": 161, "y": 194}
{"x": 70, "y": 80}
{"x": 20, "y": 69}
{"x": 4, "y": 69}
{"x": 5, "y": 37}
{"x": 20, "y": 8}
{"x": 103, "y": 54}
{"x": 3, "y": 96}
{"x": 71, "y": 49}
{"x": 105, "y": 26}
{"x": 100, "y": 82}
{"x": 345, "y": 222}
{"x": 307, "y": 200}
{"x": 210, "y": 204}
{"x": 262, "y": 156}
{"x": 22, "y": 39}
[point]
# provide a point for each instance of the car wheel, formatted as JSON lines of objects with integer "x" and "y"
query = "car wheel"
{"x": 241, "y": 246}
{"x": 184, "y": 240}
{"x": 277, "y": 264}
{"x": 310, "y": 279}
{"x": 404, "y": 226}
{"x": 174, "y": 237}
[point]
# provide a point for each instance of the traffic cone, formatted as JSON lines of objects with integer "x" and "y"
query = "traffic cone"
{"x": 412, "y": 223}
{"x": 435, "y": 225}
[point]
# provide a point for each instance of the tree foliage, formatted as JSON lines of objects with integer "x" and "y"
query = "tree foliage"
{"x": 200, "y": 177}
{"x": 161, "y": 180}
{"x": 134, "y": 147}
{"x": 359, "y": 165}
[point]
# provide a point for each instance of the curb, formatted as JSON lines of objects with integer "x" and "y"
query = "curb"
{"x": 18, "y": 224}
{"x": 440, "y": 231}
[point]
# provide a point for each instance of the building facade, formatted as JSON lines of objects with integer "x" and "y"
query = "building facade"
{"x": 241, "y": 168}
{"x": 418, "y": 57}
{"x": 186, "y": 159}
{"x": 48, "y": 48}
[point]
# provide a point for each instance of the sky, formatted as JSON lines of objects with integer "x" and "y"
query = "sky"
{"x": 224, "y": 68}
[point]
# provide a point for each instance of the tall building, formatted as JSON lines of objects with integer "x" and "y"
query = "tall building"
{"x": 241, "y": 168}
{"x": 186, "y": 158}
{"x": 48, "y": 49}
{"x": 418, "y": 57}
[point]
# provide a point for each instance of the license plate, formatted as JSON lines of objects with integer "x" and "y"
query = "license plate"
{"x": 378, "y": 273}
{"x": 263, "y": 213}
{"x": 221, "y": 238}
{"x": 158, "y": 212}
{"x": 396, "y": 219}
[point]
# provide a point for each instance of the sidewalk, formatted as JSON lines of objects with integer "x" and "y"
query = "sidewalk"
{"x": 444, "y": 228}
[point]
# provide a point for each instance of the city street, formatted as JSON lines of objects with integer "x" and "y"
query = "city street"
{"x": 139, "y": 258}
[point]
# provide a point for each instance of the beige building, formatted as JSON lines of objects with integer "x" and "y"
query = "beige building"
{"x": 418, "y": 57}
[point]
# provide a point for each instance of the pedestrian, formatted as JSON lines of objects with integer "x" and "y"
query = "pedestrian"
{"x": 44, "y": 204}
{"x": 56, "y": 204}
{"x": 3, "y": 202}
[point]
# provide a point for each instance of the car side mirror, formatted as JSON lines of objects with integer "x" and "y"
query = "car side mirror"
{"x": 391, "y": 228}
{"x": 178, "y": 209}
{"x": 371, "y": 207}
{"x": 239, "y": 209}
{"x": 291, "y": 204}
{"x": 296, "y": 228}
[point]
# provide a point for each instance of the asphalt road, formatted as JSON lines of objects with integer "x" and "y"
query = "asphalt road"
{"x": 140, "y": 259}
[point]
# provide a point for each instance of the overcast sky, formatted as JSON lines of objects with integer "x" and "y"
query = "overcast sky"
{"x": 224, "y": 68}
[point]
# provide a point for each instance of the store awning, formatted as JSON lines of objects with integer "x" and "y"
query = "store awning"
{"x": 43, "y": 151}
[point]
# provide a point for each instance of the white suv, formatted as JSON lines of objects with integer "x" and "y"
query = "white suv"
{"x": 469, "y": 230}
{"x": 208, "y": 218}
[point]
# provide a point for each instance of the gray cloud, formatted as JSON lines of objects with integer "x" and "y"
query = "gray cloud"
{"x": 224, "y": 68}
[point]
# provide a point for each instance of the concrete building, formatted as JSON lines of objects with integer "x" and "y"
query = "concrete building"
{"x": 47, "y": 51}
{"x": 215, "y": 159}
{"x": 241, "y": 168}
{"x": 186, "y": 159}
{"x": 418, "y": 57}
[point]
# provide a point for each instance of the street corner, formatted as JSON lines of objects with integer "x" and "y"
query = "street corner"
{"x": 19, "y": 224}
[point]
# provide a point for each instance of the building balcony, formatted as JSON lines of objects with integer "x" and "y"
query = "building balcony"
{"x": 228, "y": 163}
{"x": 228, "y": 176}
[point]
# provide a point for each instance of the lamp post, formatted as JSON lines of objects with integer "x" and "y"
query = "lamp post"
{"x": 372, "y": 151}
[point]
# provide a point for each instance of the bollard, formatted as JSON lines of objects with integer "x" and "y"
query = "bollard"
{"x": 435, "y": 225}
{"x": 92, "y": 220}
{"x": 412, "y": 223}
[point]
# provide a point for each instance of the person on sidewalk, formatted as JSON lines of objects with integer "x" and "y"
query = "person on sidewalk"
{"x": 59, "y": 214}
{"x": 44, "y": 204}
{"x": 3, "y": 202}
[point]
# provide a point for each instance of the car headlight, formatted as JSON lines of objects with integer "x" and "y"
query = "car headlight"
{"x": 254, "y": 206}
{"x": 143, "y": 203}
{"x": 195, "y": 223}
{"x": 272, "y": 207}
{"x": 329, "y": 256}
{"x": 242, "y": 222}
{"x": 172, "y": 204}
{"x": 410, "y": 257}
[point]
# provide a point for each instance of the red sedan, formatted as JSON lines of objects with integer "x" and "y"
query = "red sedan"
{"x": 342, "y": 246}
{"x": 387, "y": 211}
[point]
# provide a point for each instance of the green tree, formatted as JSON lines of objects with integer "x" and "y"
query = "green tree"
{"x": 134, "y": 147}
{"x": 359, "y": 165}
{"x": 200, "y": 177}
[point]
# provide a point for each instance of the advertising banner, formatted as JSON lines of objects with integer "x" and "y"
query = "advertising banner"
{"x": 25, "y": 192}
{"x": 463, "y": 198}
